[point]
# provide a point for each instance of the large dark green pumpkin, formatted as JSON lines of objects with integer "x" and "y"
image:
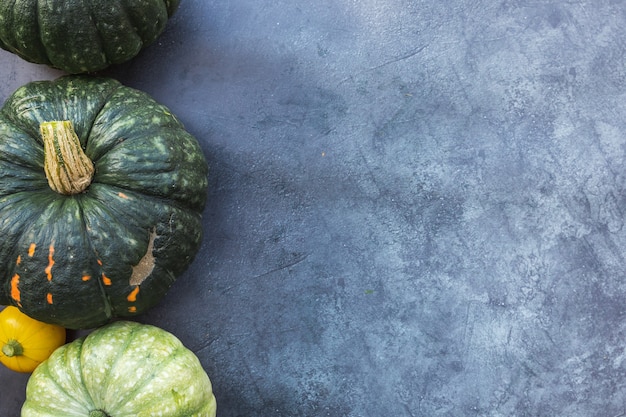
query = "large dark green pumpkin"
{"x": 81, "y": 35}
{"x": 114, "y": 245}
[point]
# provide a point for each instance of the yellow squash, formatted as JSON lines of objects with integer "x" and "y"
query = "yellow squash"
{"x": 26, "y": 342}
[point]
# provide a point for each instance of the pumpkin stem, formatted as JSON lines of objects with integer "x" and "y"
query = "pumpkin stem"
{"x": 98, "y": 413}
{"x": 68, "y": 169}
{"x": 12, "y": 348}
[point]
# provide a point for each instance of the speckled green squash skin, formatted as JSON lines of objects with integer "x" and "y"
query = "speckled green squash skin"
{"x": 68, "y": 260}
{"x": 80, "y": 36}
{"x": 124, "y": 369}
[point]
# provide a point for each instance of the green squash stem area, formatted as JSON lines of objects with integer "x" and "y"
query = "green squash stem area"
{"x": 69, "y": 259}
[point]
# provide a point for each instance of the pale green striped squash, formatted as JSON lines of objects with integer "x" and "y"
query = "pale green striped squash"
{"x": 124, "y": 369}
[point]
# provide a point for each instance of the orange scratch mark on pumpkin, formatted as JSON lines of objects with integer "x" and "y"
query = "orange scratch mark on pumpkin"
{"x": 132, "y": 297}
{"x": 50, "y": 263}
{"x": 15, "y": 291}
{"x": 86, "y": 278}
{"x": 132, "y": 309}
{"x": 106, "y": 280}
{"x": 122, "y": 195}
{"x": 49, "y": 298}
{"x": 31, "y": 249}
{"x": 19, "y": 260}
{"x": 99, "y": 262}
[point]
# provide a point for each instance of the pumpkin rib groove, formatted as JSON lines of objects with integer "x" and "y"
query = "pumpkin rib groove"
{"x": 81, "y": 49}
{"x": 111, "y": 368}
{"x": 147, "y": 133}
{"x": 178, "y": 353}
{"x": 108, "y": 36}
{"x": 42, "y": 56}
{"x": 168, "y": 201}
{"x": 59, "y": 386}
{"x": 11, "y": 117}
{"x": 96, "y": 114}
{"x": 106, "y": 300}
{"x": 6, "y": 118}
{"x": 65, "y": 351}
{"x": 124, "y": 6}
{"x": 123, "y": 16}
{"x": 152, "y": 197}
{"x": 27, "y": 47}
{"x": 146, "y": 32}
{"x": 97, "y": 31}
{"x": 120, "y": 352}
{"x": 118, "y": 109}
{"x": 180, "y": 349}
{"x": 9, "y": 34}
{"x": 4, "y": 32}
{"x": 20, "y": 163}
{"x": 171, "y": 200}
{"x": 23, "y": 177}
{"x": 108, "y": 307}
{"x": 81, "y": 365}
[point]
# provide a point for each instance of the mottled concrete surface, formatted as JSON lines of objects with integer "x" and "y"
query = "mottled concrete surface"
{"x": 416, "y": 207}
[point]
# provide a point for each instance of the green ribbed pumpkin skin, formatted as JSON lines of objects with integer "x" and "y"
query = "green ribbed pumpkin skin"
{"x": 72, "y": 260}
{"x": 79, "y": 36}
{"x": 122, "y": 369}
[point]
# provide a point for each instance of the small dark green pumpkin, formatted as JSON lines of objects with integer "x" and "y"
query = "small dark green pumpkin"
{"x": 101, "y": 196}
{"x": 80, "y": 36}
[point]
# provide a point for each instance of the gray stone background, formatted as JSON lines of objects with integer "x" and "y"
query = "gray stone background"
{"x": 416, "y": 207}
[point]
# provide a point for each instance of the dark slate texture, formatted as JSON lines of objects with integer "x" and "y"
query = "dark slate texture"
{"x": 416, "y": 207}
